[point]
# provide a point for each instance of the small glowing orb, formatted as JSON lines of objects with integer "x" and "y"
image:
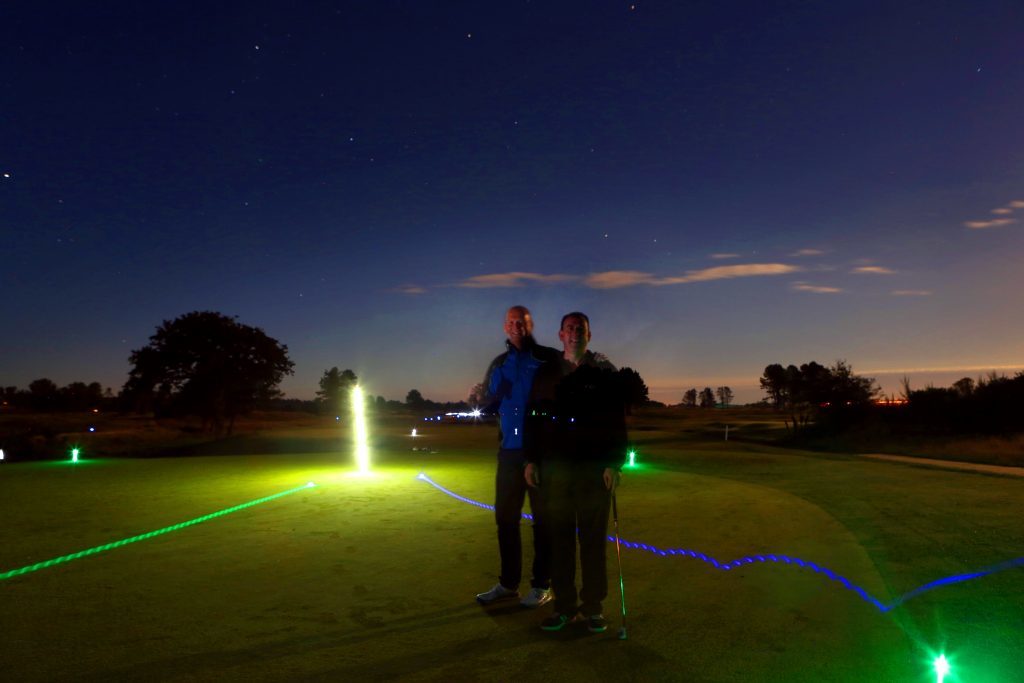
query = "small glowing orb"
{"x": 92, "y": 429}
{"x": 941, "y": 668}
{"x": 413, "y": 433}
{"x": 337, "y": 418}
{"x": 359, "y": 433}
{"x": 475, "y": 412}
{"x": 310, "y": 484}
{"x": 74, "y": 455}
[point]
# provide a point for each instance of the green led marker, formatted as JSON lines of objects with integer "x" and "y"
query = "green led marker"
{"x": 74, "y": 455}
{"x": 941, "y": 668}
{"x": 632, "y": 459}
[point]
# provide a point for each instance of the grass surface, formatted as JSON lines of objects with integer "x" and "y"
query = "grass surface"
{"x": 373, "y": 578}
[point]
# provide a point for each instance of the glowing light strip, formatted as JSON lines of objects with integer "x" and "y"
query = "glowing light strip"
{"x": 359, "y": 431}
{"x": 142, "y": 537}
{"x": 779, "y": 559}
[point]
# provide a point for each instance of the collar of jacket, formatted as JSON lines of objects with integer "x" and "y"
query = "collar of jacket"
{"x": 528, "y": 345}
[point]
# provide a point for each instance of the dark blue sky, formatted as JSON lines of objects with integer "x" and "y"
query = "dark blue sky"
{"x": 720, "y": 185}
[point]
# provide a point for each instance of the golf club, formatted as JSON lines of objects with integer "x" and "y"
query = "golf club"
{"x": 618, "y": 557}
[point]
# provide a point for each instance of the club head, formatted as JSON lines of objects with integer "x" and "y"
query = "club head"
{"x": 622, "y": 633}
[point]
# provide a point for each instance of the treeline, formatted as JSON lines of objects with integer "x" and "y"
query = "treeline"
{"x": 706, "y": 398}
{"x": 991, "y": 405}
{"x": 834, "y": 399}
{"x": 44, "y": 396}
{"x": 830, "y": 396}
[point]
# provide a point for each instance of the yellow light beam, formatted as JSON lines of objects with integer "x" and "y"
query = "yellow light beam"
{"x": 359, "y": 431}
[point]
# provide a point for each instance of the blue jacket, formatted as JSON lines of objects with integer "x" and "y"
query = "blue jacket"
{"x": 509, "y": 383}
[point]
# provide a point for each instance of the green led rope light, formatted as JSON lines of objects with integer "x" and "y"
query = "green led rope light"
{"x": 141, "y": 537}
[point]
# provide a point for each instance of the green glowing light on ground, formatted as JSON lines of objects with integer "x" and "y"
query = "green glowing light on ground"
{"x": 142, "y": 537}
{"x": 941, "y": 668}
{"x": 74, "y": 455}
{"x": 359, "y": 432}
{"x": 632, "y": 459}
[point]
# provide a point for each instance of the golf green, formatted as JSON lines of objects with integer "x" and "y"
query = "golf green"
{"x": 373, "y": 577}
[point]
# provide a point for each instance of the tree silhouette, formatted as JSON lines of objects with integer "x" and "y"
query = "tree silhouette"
{"x": 707, "y": 398}
{"x": 634, "y": 388}
{"x": 43, "y": 394}
{"x": 690, "y": 398}
{"x": 334, "y": 390}
{"x": 208, "y": 364}
{"x": 724, "y": 395}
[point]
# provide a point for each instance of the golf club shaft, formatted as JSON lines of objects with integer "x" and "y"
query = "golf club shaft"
{"x": 618, "y": 557}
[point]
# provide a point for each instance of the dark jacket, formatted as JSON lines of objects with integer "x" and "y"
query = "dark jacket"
{"x": 509, "y": 383}
{"x": 578, "y": 414}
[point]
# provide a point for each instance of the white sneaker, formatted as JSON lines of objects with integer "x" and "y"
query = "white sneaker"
{"x": 498, "y": 592}
{"x": 536, "y": 597}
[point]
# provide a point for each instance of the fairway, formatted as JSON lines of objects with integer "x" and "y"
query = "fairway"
{"x": 373, "y": 577}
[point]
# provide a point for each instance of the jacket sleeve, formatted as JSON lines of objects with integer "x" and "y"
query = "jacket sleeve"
{"x": 494, "y": 388}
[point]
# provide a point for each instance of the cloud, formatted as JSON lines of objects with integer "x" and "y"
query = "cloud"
{"x": 873, "y": 270}
{"x": 998, "y": 222}
{"x": 724, "y": 256}
{"x": 617, "y": 279}
{"x": 614, "y": 279}
{"x": 513, "y": 279}
{"x": 994, "y": 223}
{"x": 410, "y": 289}
{"x": 911, "y": 292}
{"x": 807, "y": 252}
{"x": 728, "y": 272}
{"x": 947, "y": 368}
{"x": 815, "y": 289}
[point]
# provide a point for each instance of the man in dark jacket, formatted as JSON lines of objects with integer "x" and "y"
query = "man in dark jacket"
{"x": 576, "y": 445}
{"x": 509, "y": 383}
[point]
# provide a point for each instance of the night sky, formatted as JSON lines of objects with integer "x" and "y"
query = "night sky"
{"x": 719, "y": 185}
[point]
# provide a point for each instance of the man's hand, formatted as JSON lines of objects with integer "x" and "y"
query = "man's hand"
{"x": 531, "y": 474}
{"x": 611, "y": 478}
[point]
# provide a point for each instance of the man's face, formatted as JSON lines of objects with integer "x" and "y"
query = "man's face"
{"x": 575, "y": 334}
{"x": 518, "y": 326}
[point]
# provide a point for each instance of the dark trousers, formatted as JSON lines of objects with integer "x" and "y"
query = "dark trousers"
{"x": 511, "y": 491}
{"x": 576, "y": 502}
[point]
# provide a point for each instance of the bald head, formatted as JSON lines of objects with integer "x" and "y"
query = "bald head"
{"x": 518, "y": 325}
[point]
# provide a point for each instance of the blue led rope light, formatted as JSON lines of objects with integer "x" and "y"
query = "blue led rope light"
{"x": 141, "y": 537}
{"x": 779, "y": 559}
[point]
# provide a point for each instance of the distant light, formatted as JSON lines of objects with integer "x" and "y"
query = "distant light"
{"x": 337, "y": 418}
{"x": 95, "y": 410}
{"x": 92, "y": 429}
{"x": 310, "y": 484}
{"x": 1, "y": 454}
{"x": 74, "y": 455}
{"x": 413, "y": 433}
{"x": 476, "y": 412}
{"x": 632, "y": 458}
{"x": 941, "y": 668}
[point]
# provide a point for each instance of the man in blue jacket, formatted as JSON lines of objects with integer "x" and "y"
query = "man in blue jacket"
{"x": 509, "y": 383}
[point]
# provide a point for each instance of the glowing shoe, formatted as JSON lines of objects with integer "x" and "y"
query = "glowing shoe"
{"x": 498, "y": 592}
{"x": 556, "y": 622}
{"x": 536, "y": 597}
{"x": 596, "y": 623}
